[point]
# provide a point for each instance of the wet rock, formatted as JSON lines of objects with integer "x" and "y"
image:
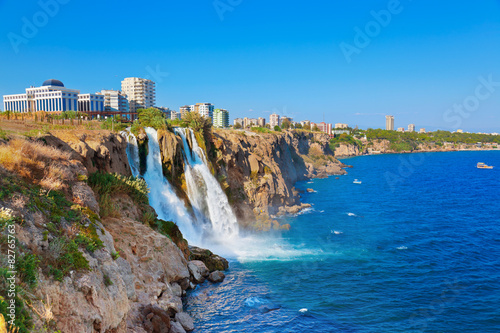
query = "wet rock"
{"x": 198, "y": 270}
{"x": 185, "y": 320}
{"x": 177, "y": 328}
{"x": 212, "y": 261}
{"x": 216, "y": 276}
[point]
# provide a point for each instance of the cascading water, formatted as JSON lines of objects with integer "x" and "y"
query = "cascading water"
{"x": 204, "y": 192}
{"x": 214, "y": 224}
{"x": 162, "y": 196}
{"x": 132, "y": 152}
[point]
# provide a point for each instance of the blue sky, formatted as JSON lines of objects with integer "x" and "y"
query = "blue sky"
{"x": 256, "y": 57}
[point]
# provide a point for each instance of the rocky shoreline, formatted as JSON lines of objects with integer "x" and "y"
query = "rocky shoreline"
{"x": 382, "y": 147}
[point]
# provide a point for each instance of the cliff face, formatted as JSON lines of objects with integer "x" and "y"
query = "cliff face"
{"x": 258, "y": 171}
{"x": 83, "y": 271}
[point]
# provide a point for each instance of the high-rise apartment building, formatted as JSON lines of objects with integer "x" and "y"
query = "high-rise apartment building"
{"x": 250, "y": 122}
{"x": 389, "y": 123}
{"x": 325, "y": 128}
{"x": 184, "y": 110}
{"x": 141, "y": 93}
{"x": 221, "y": 118}
{"x": 339, "y": 125}
{"x": 274, "y": 120}
{"x": 261, "y": 122}
{"x": 204, "y": 109}
{"x": 411, "y": 128}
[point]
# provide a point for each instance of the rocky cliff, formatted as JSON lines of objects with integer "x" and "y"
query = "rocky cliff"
{"x": 90, "y": 261}
{"x": 258, "y": 171}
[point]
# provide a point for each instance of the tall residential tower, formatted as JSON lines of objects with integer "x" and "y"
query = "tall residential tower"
{"x": 389, "y": 123}
{"x": 141, "y": 93}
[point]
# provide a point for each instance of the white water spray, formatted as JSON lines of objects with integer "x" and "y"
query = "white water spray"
{"x": 204, "y": 191}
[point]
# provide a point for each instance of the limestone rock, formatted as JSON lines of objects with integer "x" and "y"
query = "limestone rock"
{"x": 216, "y": 276}
{"x": 177, "y": 328}
{"x": 198, "y": 270}
{"x": 185, "y": 320}
{"x": 212, "y": 261}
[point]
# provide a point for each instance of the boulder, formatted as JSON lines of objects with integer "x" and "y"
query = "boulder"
{"x": 198, "y": 270}
{"x": 177, "y": 328}
{"x": 156, "y": 320}
{"x": 212, "y": 261}
{"x": 185, "y": 320}
{"x": 216, "y": 276}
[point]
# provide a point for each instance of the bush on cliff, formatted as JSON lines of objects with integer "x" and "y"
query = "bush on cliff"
{"x": 107, "y": 185}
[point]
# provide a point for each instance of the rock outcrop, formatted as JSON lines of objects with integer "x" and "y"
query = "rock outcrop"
{"x": 258, "y": 171}
{"x": 127, "y": 276}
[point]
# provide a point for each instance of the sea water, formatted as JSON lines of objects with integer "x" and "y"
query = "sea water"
{"x": 414, "y": 248}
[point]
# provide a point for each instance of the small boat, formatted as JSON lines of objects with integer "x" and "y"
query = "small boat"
{"x": 481, "y": 165}
{"x": 356, "y": 181}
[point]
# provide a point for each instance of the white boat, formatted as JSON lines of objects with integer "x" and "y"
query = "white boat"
{"x": 356, "y": 181}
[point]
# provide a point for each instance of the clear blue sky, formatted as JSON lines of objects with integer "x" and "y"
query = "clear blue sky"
{"x": 266, "y": 56}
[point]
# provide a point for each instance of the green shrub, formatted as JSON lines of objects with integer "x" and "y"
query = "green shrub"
{"x": 27, "y": 266}
{"x": 107, "y": 185}
{"x": 23, "y": 320}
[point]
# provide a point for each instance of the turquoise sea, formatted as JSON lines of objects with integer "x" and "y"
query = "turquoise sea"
{"x": 414, "y": 248}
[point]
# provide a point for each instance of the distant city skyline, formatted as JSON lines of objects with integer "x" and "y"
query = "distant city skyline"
{"x": 266, "y": 57}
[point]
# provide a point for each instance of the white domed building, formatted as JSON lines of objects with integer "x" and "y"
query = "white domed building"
{"x": 52, "y": 96}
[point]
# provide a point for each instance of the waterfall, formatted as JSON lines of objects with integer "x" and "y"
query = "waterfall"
{"x": 213, "y": 221}
{"x": 207, "y": 197}
{"x": 132, "y": 152}
{"x": 162, "y": 196}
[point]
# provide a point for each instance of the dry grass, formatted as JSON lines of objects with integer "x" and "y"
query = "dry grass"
{"x": 36, "y": 162}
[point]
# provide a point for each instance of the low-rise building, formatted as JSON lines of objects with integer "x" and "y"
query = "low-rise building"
{"x": 51, "y": 96}
{"x": 90, "y": 103}
{"x": 340, "y": 125}
{"x": 401, "y": 129}
{"x": 422, "y": 130}
{"x": 238, "y": 121}
{"x": 174, "y": 115}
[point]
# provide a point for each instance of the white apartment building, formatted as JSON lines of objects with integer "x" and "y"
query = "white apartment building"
{"x": 51, "y": 96}
{"x": 340, "y": 125}
{"x": 389, "y": 123}
{"x": 274, "y": 120}
{"x": 204, "y": 109}
{"x": 238, "y": 121}
{"x": 401, "y": 129}
{"x": 411, "y": 128}
{"x": 115, "y": 101}
{"x": 174, "y": 115}
{"x": 141, "y": 93}
{"x": 261, "y": 122}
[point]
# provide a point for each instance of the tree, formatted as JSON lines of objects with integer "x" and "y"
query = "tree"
{"x": 285, "y": 124}
{"x": 298, "y": 125}
{"x": 277, "y": 128}
{"x": 237, "y": 126}
{"x": 151, "y": 118}
{"x": 315, "y": 128}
